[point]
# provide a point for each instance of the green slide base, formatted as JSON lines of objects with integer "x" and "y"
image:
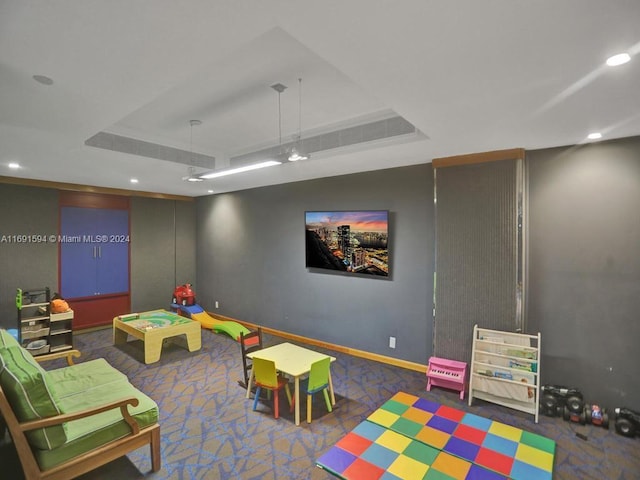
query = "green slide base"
{"x": 231, "y": 328}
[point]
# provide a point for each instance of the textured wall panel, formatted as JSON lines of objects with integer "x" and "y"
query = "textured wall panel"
{"x": 476, "y": 253}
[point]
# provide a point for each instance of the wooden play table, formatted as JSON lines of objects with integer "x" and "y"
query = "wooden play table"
{"x": 153, "y": 327}
{"x": 294, "y": 361}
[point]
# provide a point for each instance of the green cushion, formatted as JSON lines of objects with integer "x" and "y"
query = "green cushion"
{"x": 77, "y": 379}
{"x": 7, "y": 340}
{"x": 24, "y": 382}
{"x": 88, "y": 385}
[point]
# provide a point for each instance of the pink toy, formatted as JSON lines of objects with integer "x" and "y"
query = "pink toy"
{"x": 447, "y": 374}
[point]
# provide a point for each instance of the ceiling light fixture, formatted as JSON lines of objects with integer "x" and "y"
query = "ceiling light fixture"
{"x": 134, "y": 180}
{"x": 619, "y": 59}
{"x": 192, "y": 177}
{"x": 14, "y": 165}
{"x": 594, "y": 136}
{"x": 297, "y": 152}
{"x": 246, "y": 168}
{"x": 278, "y": 87}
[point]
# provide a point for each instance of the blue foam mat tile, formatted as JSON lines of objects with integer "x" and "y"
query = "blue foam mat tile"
{"x": 500, "y": 444}
{"x": 462, "y": 448}
{"x": 379, "y": 456}
{"x": 475, "y": 421}
{"x": 524, "y": 471}
{"x": 369, "y": 430}
{"x": 442, "y": 424}
{"x": 336, "y": 460}
{"x": 476, "y": 472}
{"x": 427, "y": 405}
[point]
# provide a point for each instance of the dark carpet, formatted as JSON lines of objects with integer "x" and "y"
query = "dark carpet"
{"x": 209, "y": 430}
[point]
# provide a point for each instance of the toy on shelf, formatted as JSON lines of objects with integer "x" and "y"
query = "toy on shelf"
{"x": 45, "y": 323}
{"x": 446, "y": 373}
{"x": 627, "y": 422}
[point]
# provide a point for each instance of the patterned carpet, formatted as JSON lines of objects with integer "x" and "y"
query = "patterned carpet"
{"x": 209, "y": 431}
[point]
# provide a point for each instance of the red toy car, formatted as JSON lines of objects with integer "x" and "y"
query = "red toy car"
{"x": 184, "y": 295}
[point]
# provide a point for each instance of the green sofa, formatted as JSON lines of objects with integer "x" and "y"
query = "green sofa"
{"x": 67, "y": 421}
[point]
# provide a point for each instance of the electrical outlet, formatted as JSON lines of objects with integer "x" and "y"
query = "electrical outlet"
{"x": 217, "y": 304}
{"x": 392, "y": 342}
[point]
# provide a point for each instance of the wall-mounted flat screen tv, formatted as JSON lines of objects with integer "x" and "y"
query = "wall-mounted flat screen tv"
{"x": 348, "y": 241}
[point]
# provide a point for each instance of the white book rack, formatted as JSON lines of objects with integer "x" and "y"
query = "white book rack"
{"x": 505, "y": 369}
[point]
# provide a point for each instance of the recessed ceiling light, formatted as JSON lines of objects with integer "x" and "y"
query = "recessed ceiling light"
{"x": 619, "y": 59}
{"x": 209, "y": 191}
{"x": 14, "y": 165}
{"x": 594, "y": 136}
{"x": 44, "y": 80}
{"x": 134, "y": 180}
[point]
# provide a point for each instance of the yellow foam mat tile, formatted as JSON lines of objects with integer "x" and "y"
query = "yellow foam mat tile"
{"x": 383, "y": 417}
{"x": 407, "y": 468}
{"x": 393, "y": 441}
{"x": 535, "y": 457}
{"x": 506, "y": 431}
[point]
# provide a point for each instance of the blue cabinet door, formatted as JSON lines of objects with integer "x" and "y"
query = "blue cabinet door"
{"x": 94, "y": 251}
{"x": 113, "y": 251}
{"x": 77, "y": 255}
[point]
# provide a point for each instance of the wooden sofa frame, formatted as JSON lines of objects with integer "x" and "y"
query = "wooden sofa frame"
{"x": 90, "y": 460}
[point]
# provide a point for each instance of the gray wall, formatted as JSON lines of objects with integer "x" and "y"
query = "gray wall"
{"x": 584, "y": 267}
{"x": 251, "y": 259}
{"x": 163, "y": 252}
{"x": 161, "y": 256}
{"x": 26, "y": 211}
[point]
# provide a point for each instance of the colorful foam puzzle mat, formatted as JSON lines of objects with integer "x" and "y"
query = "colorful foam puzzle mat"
{"x": 410, "y": 437}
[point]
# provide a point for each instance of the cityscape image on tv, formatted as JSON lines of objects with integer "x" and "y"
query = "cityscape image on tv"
{"x": 353, "y": 242}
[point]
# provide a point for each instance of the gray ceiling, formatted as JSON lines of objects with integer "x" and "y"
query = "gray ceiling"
{"x": 458, "y": 77}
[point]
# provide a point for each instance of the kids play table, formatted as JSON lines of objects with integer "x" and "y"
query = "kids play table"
{"x": 152, "y": 328}
{"x": 294, "y": 361}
